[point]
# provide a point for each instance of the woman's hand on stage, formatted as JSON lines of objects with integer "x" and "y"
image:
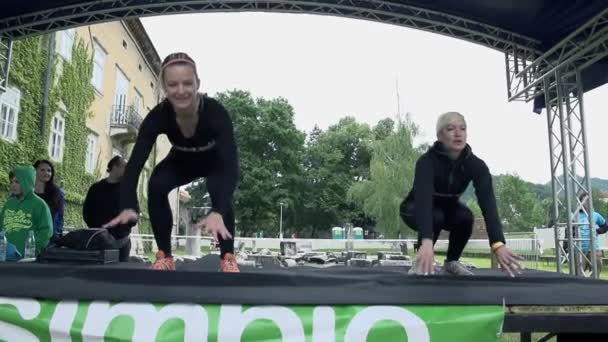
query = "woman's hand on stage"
{"x": 125, "y": 217}
{"x": 214, "y": 225}
{"x": 425, "y": 260}
{"x": 508, "y": 260}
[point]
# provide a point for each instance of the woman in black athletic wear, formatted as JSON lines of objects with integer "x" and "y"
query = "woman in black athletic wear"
{"x": 442, "y": 174}
{"x": 201, "y": 133}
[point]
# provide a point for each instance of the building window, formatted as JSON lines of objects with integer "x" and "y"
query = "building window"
{"x": 138, "y": 103}
{"x": 91, "y": 159}
{"x": 67, "y": 43}
{"x": 99, "y": 61}
{"x": 119, "y": 113}
{"x": 57, "y": 138}
{"x": 9, "y": 113}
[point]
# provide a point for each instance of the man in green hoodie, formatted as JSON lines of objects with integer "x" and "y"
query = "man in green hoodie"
{"x": 24, "y": 211}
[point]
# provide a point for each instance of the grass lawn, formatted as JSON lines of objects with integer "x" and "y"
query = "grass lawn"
{"x": 540, "y": 265}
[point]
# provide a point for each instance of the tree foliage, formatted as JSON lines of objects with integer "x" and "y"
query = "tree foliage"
{"x": 519, "y": 208}
{"x": 392, "y": 173}
{"x": 71, "y": 95}
{"x": 334, "y": 159}
{"x": 270, "y": 153}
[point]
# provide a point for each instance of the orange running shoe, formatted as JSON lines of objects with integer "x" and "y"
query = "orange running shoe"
{"x": 229, "y": 264}
{"x": 163, "y": 263}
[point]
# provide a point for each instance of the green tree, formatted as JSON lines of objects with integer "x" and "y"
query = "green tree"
{"x": 599, "y": 205}
{"x": 519, "y": 209}
{"x": 270, "y": 157}
{"x": 383, "y": 128}
{"x": 392, "y": 173}
{"x": 334, "y": 160}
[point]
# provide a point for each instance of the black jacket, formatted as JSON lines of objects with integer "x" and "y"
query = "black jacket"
{"x": 439, "y": 181}
{"x": 213, "y": 137}
{"x": 101, "y": 205}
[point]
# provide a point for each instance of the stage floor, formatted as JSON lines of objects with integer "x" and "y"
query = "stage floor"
{"x": 533, "y": 301}
{"x": 199, "y": 281}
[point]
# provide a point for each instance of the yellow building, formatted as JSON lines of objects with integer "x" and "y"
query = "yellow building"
{"x": 125, "y": 77}
{"x": 125, "y": 70}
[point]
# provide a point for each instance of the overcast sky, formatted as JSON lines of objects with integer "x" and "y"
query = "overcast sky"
{"x": 329, "y": 67}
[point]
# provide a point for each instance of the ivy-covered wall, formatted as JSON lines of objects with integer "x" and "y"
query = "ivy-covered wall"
{"x": 72, "y": 95}
{"x": 27, "y": 74}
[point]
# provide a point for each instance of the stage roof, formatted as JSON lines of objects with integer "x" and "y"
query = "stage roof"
{"x": 538, "y": 24}
{"x": 546, "y": 21}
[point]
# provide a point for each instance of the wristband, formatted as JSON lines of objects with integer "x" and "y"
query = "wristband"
{"x": 497, "y": 245}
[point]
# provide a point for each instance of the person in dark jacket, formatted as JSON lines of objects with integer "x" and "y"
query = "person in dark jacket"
{"x": 102, "y": 203}
{"x": 442, "y": 174}
{"x": 52, "y": 194}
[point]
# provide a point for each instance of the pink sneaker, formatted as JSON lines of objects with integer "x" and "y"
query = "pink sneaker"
{"x": 229, "y": 264}
{"x": 163, "y": 263}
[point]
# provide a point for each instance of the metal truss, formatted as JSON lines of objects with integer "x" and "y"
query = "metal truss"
{"x": 6, "y": 47}
{"x": 374, "y": 10}
{"x": 569, "y": 160}
{"x": 581, "y": 48}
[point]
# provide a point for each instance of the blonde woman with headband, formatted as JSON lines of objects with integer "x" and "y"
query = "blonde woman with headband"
{"x": 203, "y": 145}
{"x": 442, "y": 174}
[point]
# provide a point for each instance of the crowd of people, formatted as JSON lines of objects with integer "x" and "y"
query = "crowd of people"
{"x": 203, "y": 145}
{"x": 36, "y": 204}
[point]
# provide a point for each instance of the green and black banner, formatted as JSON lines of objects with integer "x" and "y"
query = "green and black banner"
{"x": 25, "y": 320}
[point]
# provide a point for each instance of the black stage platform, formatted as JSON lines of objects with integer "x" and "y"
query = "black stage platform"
{"x": 534, "y": 301}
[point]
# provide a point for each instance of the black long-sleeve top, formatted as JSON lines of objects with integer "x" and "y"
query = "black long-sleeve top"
{"x": 439, "y": 180}
{"x": 101, "y": 203}
{"x": 214, "y": 135}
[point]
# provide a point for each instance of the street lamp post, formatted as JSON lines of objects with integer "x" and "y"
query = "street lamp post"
{"x": 281, "y": 222}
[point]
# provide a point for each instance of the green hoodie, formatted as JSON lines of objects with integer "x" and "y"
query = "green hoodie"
{"x": 30, "y": 213}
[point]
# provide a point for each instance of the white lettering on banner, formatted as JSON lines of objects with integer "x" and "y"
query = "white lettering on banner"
{"x": 323, "y": 324}
{"x": 233, "y": 322}
{"x": 28, "y": 309}
{"x": 62, "y": 320}
{"x": 231, "y": 325}
{"x": 360, "y": 326}
{"x": 147, "y": 320}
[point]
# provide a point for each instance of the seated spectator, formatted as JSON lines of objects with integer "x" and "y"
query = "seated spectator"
{"x": 24, "y": 211}
{"x": 102, "y": 204}
{"x": 599, "y": 227}
{"x": 51, "y": 194}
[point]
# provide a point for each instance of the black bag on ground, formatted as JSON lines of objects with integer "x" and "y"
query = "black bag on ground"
{"x": 88, "y": 239}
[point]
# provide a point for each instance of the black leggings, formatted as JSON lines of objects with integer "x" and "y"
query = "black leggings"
{"x": 454, "y": 217}
{"x": 121, "y": 234}
{"x": 124, "y": 251}
{"x": 170, "y": 173}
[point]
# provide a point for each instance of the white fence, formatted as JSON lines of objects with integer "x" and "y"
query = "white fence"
{"x": 529, "y": 246}
{"x": 547, "y": 237}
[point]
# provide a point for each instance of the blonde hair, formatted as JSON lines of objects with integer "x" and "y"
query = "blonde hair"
{"x": 447, "y": 118}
